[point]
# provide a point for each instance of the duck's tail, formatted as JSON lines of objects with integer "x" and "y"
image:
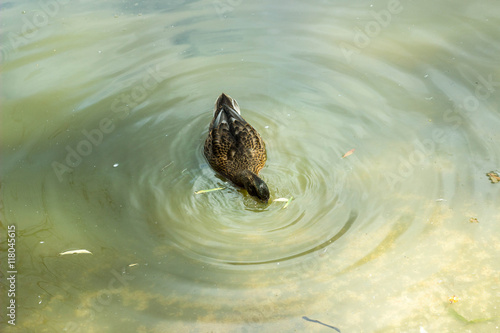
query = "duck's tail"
{"x": 226, "y": 111}
{"x": 225, "y": 100}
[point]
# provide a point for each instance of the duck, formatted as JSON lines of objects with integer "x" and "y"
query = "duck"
{"x": 234, "y": 149}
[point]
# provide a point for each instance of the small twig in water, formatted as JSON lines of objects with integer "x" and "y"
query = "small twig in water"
{"x": 317, "y": 321}
{"x": 166, "y": 166}
{"x": 288, "y": 202}
{"x": 211, "y": 190}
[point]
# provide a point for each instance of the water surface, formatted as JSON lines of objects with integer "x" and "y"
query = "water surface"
{"x": 105, "y": 107}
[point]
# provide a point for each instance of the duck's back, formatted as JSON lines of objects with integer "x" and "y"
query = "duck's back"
{"x": 233, "y": 144}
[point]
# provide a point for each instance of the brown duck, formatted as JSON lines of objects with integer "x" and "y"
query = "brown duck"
{"x": 235, "y": 149}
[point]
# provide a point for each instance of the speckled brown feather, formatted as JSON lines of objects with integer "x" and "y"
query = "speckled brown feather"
{"x": 233, "y": 144}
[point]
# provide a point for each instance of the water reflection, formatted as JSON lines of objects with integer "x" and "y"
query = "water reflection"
{"x": 105, "y": 109}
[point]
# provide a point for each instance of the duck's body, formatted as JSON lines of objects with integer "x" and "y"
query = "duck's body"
{"x": 235, "y": 149}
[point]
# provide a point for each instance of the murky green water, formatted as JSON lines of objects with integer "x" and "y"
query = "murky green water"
{"x": 105, "y": 107}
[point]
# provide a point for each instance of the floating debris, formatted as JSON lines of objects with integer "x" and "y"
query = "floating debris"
{"x": 473, "y": 220}
{"x": 210, "y": 190}
{"x": 132, "y": 265}
{"x": 75, "y": 252}
{"x": 494, "y": 177}
{"x": 287, "y": 200}
{"x": 166, "y": 166}
{"x": 453, "y": 299}
{"x": 321, "y": 323}
{"x": 350, "y": 152}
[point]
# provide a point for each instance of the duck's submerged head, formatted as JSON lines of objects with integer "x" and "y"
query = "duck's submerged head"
{"x": 254, "y": 185}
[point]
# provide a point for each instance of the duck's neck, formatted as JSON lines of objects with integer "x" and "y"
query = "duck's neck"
{"x": 244, "y": 177}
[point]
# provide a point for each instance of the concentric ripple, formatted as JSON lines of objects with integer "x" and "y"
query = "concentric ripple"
{"x": 229, "y": 226}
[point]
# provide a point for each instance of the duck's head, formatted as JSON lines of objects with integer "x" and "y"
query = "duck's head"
{"x": 227, "y": 101}
{"x": 256, "y": 187}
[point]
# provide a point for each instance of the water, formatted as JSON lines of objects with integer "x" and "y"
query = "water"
{"x": 105, "y": 107}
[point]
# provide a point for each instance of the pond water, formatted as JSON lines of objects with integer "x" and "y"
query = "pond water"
{"x": 105, "y": 107}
